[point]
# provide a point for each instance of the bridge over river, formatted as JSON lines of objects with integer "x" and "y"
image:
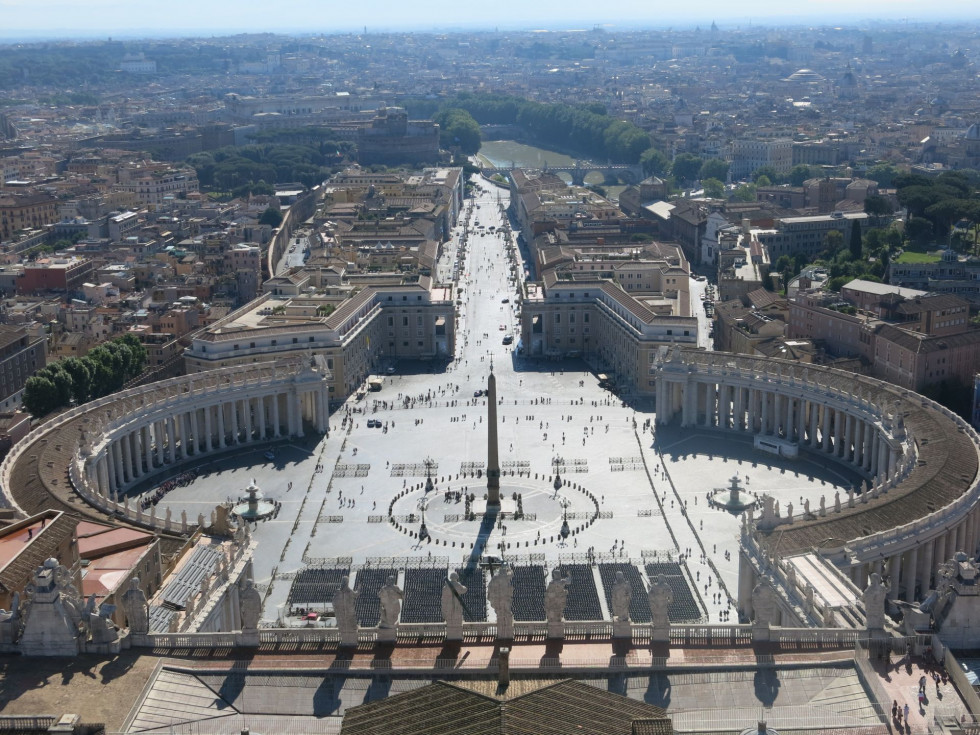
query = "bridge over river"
{"x": 612, "y": 173}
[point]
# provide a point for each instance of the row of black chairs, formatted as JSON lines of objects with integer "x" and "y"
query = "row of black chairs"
{"x": 423, "y": 595}
{"x": 315, "y": 587}
{"x": 529, "y": 588}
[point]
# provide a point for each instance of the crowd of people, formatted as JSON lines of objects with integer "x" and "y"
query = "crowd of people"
{"x": 182, "y": 480}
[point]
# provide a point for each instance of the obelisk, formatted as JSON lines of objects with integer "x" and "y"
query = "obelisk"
{"x": 493, "y": 461}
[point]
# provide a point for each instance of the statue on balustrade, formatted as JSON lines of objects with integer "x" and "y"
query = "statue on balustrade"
{"x": 874, "y": 602}
{"x": 391, "y": 603}
{"x": 250, "y": 602}
{"x": 764, "y": 604}
{"x": 556, "y": 596}
{"x": 661, "y": 597}
{"x": 622, "y": 595}
{"x": 134, "y": 603}
{"x": 452, "y": 606}
{"x": 345, "y": 612}
{"x": 500, "y": 592}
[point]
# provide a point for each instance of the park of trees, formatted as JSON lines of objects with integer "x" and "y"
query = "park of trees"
{"x": 103, "y": 370}
{"x": 255, "y": 168}
{"x": 585, "y": 129}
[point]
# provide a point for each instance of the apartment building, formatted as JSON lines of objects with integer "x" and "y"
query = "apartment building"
{"x": 55, "y": 274}
{"x": 21, "y": 355}
{"x": 747, "y": 155}
{"x": 807, "y": 235}
{"x": 909, "y": 338}
{"x": 27, "y": 211}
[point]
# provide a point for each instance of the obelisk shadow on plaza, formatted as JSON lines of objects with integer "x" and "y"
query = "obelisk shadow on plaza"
{"x": 487, "y": 522}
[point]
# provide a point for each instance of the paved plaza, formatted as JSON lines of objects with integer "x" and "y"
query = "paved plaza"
{"x": 340, "y": 494}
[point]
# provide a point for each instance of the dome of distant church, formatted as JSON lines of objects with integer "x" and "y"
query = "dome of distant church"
{"x": 973, "y": 132}
{"x": 805, "y": 76}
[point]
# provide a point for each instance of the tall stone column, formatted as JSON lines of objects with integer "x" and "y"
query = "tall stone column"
{"x": 117, "y": 465}
{"x": 208, "y": 429}
{"x": 794, "y": 407}
{"x": 148, "y": 446}
{"x": 290, "y": 413}
{"x": 738, "y": 418}
{"x": 911, "y": 574}
{"x": 158, "y": 432}
{"x": 925, "y": 578}
{"x": 222, "y": 440}
{"x": 661, "y": 400}
{"x": 196, "y": 431}
{"x": 125, "y": 450}
{"x": 246, "y": 405}
{"x": 942, "y": 553}
{"x": 858, "y": 454}
{"x": 298, "y": 400}
{"x": 838, "y": 432}
{"x": 322, "y": 411}
{"x": 276, "y": 431}
{"x": 171, "y": 440}
{"x": 825, "y": 427}
{"x": 102, "y": 472}
{"x": 233, "y": 411}
{"x": 493, "y": 461}
{"x": 814, "y": 420}
{"x": 688, "y": 414}
{"x": 184, "y": 434}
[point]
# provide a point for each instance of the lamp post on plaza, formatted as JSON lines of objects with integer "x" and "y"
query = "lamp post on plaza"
{"x": 565, "y": 530}
{"x": 423, "y": 531}
{"x": 429, "y": 463}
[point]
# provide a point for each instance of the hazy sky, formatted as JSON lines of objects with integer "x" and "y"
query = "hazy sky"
{"x": 68, "y": 18}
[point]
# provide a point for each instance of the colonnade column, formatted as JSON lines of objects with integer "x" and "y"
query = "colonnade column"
{"x": 911, "y": 573}
{"x": 298, "y": 403}
{"x": 233, "y": 408}
{"x": 102, "y": 472}
{"x": 196, "y": 441}
{"x": 148, "y": 446}
{"x": 127, "y": 459}
{"x": 926, "y": 583}
{"x": 825, "y": 427}
{"x": 321, "y": 411}
{"x": 117, "y": 463}
{"x": 220, "y": 408}
{"x": 275, "y": 413}
{"x": 263, "y": 424}
{"x": 183, "y": 431}
{"x": 208, "y": 443}
{"x": 171, "y": 440}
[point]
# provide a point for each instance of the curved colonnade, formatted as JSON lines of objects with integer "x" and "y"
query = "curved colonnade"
{"x": 108, "y": 445}
{"x": 920, "y": 463}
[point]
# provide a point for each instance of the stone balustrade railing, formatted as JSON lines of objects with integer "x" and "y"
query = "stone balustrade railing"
{"x": 709, "y": 635}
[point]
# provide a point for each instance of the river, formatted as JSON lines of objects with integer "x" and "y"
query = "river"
{"x": 511, "y": 154}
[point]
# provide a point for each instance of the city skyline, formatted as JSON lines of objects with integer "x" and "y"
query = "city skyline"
{"x": 25, "y": 20}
